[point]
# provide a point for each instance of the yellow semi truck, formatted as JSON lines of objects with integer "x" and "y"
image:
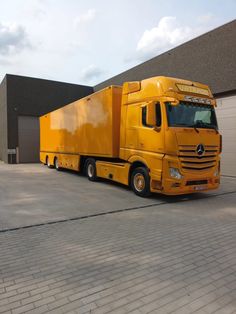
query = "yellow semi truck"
{"x": 156, "y": 135}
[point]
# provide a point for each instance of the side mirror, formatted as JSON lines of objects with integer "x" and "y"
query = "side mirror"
{"x": 151, "y": 114}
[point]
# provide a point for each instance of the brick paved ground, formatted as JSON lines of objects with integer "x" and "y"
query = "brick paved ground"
{"x": 32, "y": 193}
{"x": 170, "y": 258}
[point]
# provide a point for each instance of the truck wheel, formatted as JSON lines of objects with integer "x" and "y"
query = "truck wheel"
{"x": 140, "y": 182}
{"x": 56, "y": 164}
{"x": 91, "y": 172}
{"x": 45, "y": 161}
{"x": 48, "y": 162}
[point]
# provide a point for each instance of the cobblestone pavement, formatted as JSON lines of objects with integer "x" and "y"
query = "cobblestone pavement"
{"x": 32, "y": 194}
{"x": 162, "y": 255}
{"x": 171, "y": 258}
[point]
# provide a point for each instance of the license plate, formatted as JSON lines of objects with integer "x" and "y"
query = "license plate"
{"x": 200, "y": 187}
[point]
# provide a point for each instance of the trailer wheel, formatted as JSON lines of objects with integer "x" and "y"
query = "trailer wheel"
{"x": 140, "y": 182}
{"x": 48, "y": 162}
{"x": 45, "y": 161}
{"x": 56, "y": 164}
{"x": 90, "y": 168}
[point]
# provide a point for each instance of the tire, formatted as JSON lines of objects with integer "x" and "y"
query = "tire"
{"x": 90, "y": 169}
{"x": 56, "y": 164}
{"x": 140, "y": 182}
{"x": 45, "y": 162}
{"x": 48, "y": 162}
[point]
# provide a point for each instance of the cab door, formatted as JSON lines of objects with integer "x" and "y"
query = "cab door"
{"x": 132, "y": 126}
{"x": 151, "y": 139}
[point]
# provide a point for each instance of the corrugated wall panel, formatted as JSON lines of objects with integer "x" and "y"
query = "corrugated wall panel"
{"x": 226, "y": 113}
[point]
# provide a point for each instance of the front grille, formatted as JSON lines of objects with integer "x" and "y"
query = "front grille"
{"x": 190, "y": 160}
{"x": 196, "y": 182}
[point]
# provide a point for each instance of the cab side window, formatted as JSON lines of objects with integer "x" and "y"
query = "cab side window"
{"x": 144, "y": 114}
{"x": 158, "y": 114}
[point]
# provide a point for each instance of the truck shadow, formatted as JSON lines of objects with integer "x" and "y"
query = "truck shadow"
{"x": 153, "y": 197}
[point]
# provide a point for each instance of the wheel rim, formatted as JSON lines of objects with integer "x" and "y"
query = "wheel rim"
{"x": 48, "y": 163}
{"x": 139, "y": 182}
{"x": 90, "y": 170}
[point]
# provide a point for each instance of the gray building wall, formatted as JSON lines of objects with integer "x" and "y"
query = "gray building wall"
{"x": 209, "y": 59}
{"x": 3, "y": 120}
{"x": 33, "y": 97}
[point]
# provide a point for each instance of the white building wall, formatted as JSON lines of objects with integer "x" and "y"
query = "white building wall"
{"x": 226, "y": 114}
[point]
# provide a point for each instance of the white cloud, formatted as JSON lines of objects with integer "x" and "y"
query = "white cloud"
{"x": 166, "y": 35}
{"x": 85, "y": 18}
{"x": 13, "y": 38}
{"x": 5, "y": 62}
{"x": 54, "y": 40}
{"x": 91, "y": 73}
{"x": 35, "y": 9}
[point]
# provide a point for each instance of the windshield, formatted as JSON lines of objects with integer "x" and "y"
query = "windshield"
{"x": 191, "y": 115}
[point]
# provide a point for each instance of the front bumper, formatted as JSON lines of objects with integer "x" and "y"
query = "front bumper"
{"x": 191, "y": 181}
{"x": 187, "y": 185}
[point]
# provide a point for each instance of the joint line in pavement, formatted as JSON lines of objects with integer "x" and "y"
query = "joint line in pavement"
{"x": 107, "y": 213}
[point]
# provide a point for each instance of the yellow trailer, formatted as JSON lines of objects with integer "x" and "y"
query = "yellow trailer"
{"x": 87, "y": 127}
{"x": 156, "y": 135}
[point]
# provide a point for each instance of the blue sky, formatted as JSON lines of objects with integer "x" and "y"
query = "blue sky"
{"x": 86, "y": 42}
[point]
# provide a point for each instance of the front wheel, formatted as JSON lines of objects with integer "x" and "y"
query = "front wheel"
{"x": 90, "y": 169}
{"x": 140, "y": 182}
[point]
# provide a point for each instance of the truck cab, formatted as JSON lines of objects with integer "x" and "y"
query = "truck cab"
{"x": 169, "y": 135}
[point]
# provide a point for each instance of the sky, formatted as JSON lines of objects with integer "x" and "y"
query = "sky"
{"x": 87, "y": 42}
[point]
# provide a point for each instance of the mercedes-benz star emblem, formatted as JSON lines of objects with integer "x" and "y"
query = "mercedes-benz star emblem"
{"x": 200, "y": 149}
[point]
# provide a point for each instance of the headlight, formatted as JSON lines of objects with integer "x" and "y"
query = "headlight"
{"x": 174, "y": 173}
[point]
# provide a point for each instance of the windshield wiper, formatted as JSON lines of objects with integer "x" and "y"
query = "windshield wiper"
{"x": 186, "y": 125}
{"x": 215, "y": 128}
{"x": 194, "y": 126}
{"x": 204, "y": 125}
